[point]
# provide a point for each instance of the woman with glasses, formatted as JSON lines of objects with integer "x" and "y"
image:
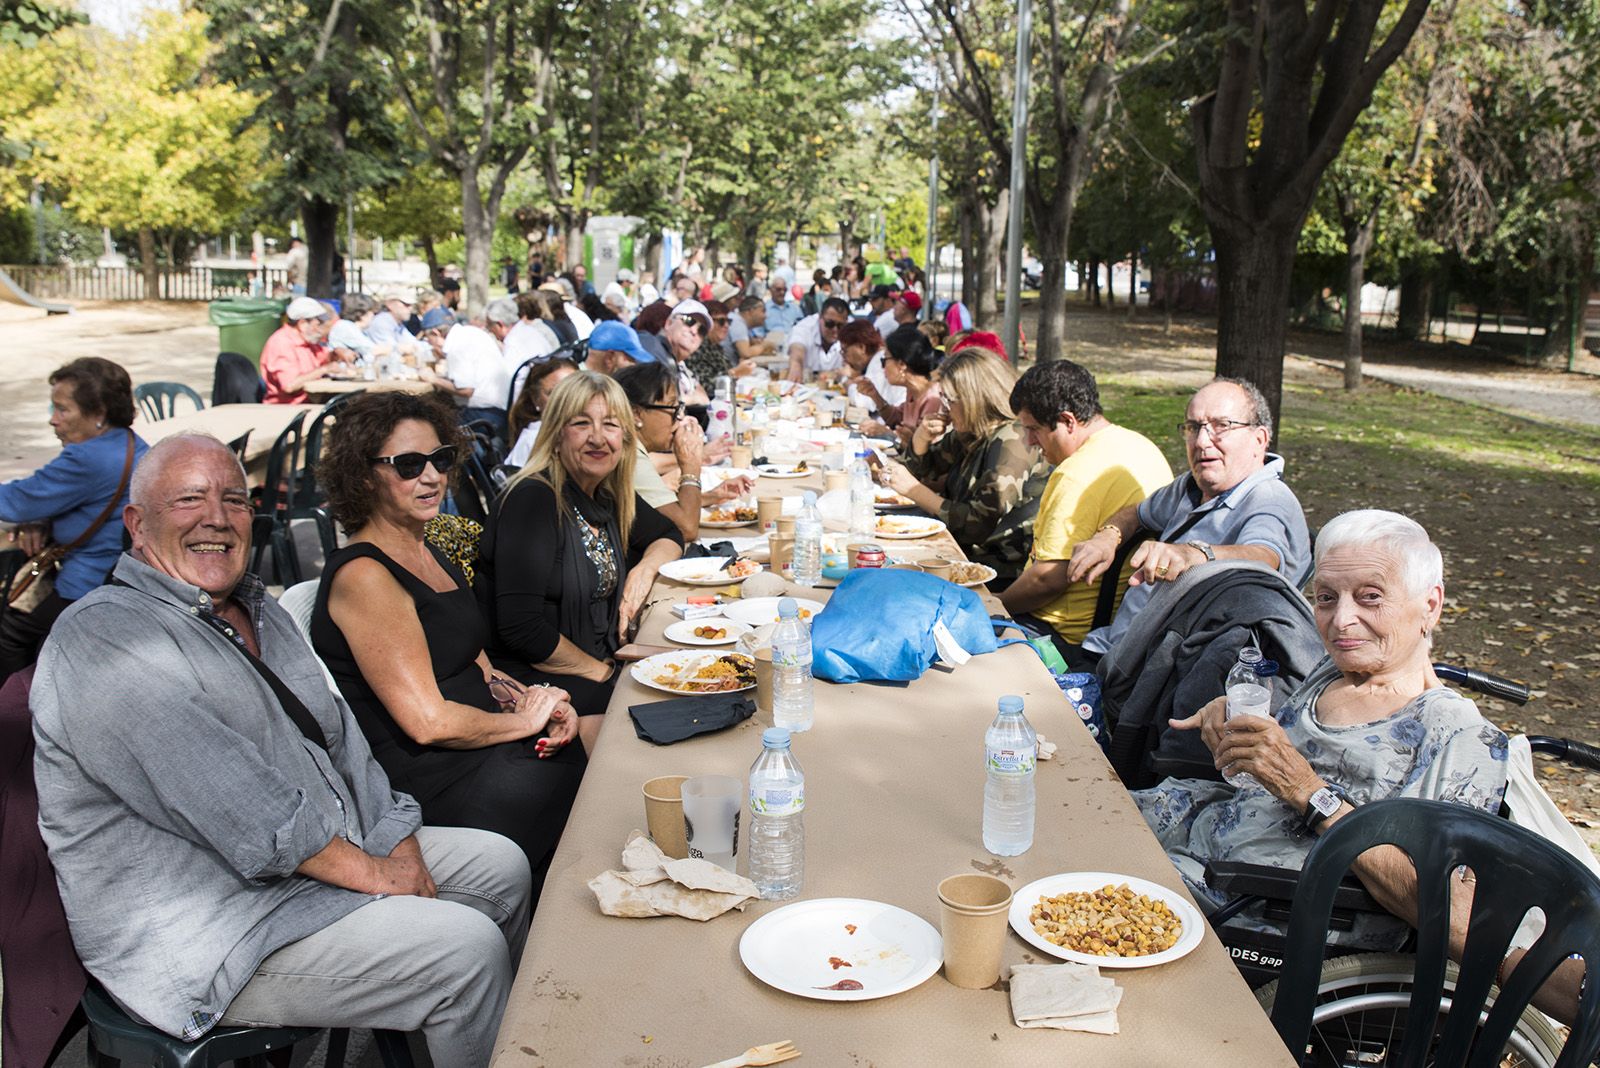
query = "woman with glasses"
{"x": 912, "y": 361}
{"x": 571, "y": 552}
{"x": 662, "y": 428}
{"x": 989, "y": 478}
{"x": 400, "y": 629}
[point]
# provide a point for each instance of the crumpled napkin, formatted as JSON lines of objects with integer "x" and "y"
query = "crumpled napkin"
{"x": 1067, "y": 997}
{"x": 653, "y": 885}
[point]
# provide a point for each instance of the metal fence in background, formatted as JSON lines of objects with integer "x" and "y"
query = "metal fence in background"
{"x": 127, "y": 283}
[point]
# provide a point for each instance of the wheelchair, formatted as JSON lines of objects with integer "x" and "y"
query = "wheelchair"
{"x": 1363, "y": 998}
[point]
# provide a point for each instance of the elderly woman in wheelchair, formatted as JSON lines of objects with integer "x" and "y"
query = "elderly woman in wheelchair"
{"x": 1372, "y": 721}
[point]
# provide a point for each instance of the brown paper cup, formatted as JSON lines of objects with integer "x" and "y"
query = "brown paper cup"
{"x": 663, "y": 813}
{"x": 763, "y": 659}
{"x": 768, "y": 509}
{"x": 938, "y": 566}
{"x": 784, "y": 525}
{"x": 835, "y": 480}
{"x": 972, "y": 921}
{"x": 781, "y": 549}
{"x": 742, "y": 456}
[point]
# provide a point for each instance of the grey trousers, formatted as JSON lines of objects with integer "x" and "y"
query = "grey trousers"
{"x": 442, "y": 966}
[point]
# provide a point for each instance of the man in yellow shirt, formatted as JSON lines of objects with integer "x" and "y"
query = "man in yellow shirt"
{"x": 1100, "y": 468}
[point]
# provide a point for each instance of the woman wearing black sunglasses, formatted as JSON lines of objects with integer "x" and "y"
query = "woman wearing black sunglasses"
{"x": 571, "y": 552}
{"x": 400, "y": 629}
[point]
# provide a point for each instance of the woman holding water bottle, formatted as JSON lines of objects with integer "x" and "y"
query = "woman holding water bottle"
{"x": 1372, "y": 721}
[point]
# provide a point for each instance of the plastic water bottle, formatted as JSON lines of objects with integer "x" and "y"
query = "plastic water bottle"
{"x": 863, "y": 517}
{"x": 777, "y": 815}
{"x": 1249, "y": 692}
{"x": 791, "y": 669}
{"x": 723, "y": 388}
{"x": 1010, "y": 749}
{"x": 808, "y": 542}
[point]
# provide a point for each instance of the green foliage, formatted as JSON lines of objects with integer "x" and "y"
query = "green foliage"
{"x": 907, "y": 222}
{"x": 24, "y": 23}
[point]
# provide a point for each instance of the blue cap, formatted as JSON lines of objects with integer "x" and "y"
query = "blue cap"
{"x": 1011, "y": 703}
{"x": 809, "y": 499}
{"x": 787, "y": 609}
{"x": 775, "y": 738}
{"x": 612, "y": 336}
{"x": 1266, "y": 668}
{"x": 437, "y": 317}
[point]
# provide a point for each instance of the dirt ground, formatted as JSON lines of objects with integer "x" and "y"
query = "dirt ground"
{"x": 1520, "y": 542}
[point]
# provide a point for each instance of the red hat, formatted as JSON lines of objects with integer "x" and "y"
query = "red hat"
{"x": 983, "y": 339}
{"x": 911, "y": 300}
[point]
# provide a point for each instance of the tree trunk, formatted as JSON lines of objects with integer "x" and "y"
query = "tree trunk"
{"x": 1093, "y": 276}
{"x": 1254, "y": 264}
{"x": 320, "y": 219}
{"x": 1416, "y": 298}
{"x": 477, "y": 226}
{"x": 574, "y": 250}
{"x": 968, "y": 239}
{"x": 1133, "y": 284}
{"x": 748, "y": 250}
{"x": 1111, "y": 285}
{"x": 1054, "y": 240}
{"x": 431, "y": 254}
{"x": 147, "y": 263}
{"x": 990, "y": 235}
{"x": 1358, "y": 241}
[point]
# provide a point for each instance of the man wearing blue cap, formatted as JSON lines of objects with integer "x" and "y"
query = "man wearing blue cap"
{"x": 613, "y": 346}
{"x": 475, "y": 377}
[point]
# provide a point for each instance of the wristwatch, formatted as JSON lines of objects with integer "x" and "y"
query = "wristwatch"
{"x": 1211, "y": 556}
{"x": 1322, "y": 805}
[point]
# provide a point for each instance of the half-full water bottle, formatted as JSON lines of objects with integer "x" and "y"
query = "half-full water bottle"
{"x": 777, "y": 815}
{"x": 863, "y": 494}
{"x": 1249, "y": 693}
{"x": 1010, "y": 748}
{"x": 808, "y": 542}
{"x": 791, "y": 669}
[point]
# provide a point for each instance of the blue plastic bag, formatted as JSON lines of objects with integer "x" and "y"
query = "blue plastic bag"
{"x": 878, "y": 625}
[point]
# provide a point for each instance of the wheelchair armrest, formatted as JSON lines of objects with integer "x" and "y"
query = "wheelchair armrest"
{"x": 1262, "y": 880}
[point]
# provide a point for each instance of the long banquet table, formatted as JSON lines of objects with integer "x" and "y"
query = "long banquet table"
{"x": 894, "y": 796}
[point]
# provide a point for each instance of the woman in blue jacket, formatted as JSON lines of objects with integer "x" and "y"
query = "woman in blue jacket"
{"x": 91, "y": 411}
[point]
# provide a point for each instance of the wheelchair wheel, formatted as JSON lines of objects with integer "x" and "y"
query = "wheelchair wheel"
{"x": 1362, "y": 1004}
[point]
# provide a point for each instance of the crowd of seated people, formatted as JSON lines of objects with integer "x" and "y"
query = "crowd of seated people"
{"x": 396, "y": 828}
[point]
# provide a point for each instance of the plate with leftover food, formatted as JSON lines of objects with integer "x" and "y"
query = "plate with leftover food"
{"x": 907, "y": 527}
{"x": 841, "y": 949}
{"x": 798, "y": 469}
{"x": 970, "y": 574}
{"x": 692, "y": 672}
{"x": 706, "y": 631}
{"x": 1114, "y": 921}
{"x": 759, "y": 611}
{"x": 708, "y": 570}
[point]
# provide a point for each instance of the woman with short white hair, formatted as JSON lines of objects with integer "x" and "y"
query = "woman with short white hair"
{"x": 1372, "y": 721}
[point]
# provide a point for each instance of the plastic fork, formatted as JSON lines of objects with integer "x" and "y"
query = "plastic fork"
{"x": 771, "y": 1053}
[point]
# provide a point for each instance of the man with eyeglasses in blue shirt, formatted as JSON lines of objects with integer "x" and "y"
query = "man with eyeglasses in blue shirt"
{"x": 1232, "y": 504}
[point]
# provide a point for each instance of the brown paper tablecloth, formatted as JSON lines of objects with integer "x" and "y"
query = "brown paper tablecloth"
{"x": 894, "y": 800}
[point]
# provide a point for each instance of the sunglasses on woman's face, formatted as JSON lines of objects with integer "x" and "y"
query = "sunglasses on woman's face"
{"x": 409, "y": 465}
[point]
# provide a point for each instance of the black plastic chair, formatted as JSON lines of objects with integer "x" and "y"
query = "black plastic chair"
{"x": 309, "y": 501}
{"x": 575, "y": 352}
{"x": 1516, "y": 870}
{"x": 238, "y": 445}
{"x": 159, "y": 400}
{"x": 115, "y": 1038}
{"x": 271, "y": 526}
{"x": 236, "y": 381}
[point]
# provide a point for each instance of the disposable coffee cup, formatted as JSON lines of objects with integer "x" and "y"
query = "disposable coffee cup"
{"x": 763, "y": 661}
{"x": 835, "y": 480}
{"x": 784, "y": 525}
{"x": 663, "y": 814}
{"x": 711, "y": 807}
{"x": 824, "y": 416}
{"x": 973, "y": 912}
{"x": 742, "y": 456}
{"x": 781, "y": 550}
{"x": 768, "y": 509}
{"x": 938, "y": 566}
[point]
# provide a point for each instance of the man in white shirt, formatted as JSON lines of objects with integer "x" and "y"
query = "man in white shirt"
{"x": 813, "y": 343}
{"x": 882, "y": 301}
{"x": 531, "y": 338}
{"x": 475, "y": 373}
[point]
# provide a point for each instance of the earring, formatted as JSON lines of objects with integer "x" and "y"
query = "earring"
{"x": 100, "y": 426}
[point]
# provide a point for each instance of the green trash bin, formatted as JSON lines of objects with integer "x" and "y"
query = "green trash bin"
{"x": 244, "y": 324}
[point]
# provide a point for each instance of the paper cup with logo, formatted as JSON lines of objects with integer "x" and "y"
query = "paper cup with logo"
{"x": 973, "y": 912}
{"x": 768, "y": 509}
{"x": 663, "y": 813}
{"x": 711, "y": 808}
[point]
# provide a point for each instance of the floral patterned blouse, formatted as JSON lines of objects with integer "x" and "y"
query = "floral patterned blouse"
{"x": 1438, "y": 747}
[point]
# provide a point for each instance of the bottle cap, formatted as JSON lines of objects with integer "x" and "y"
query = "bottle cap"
{"x": 1011, "y": 703}
{"x": 809, "y": 499}
{"x": 787, "y": 609}
{"x": 1266, "y": 668}
{"x": 775, "y": 738}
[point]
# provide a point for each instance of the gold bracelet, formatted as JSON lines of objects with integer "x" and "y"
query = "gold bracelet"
{"x": 1114, "y": 529}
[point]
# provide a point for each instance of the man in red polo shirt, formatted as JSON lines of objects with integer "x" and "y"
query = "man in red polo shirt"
{"x": 295, "y": 354}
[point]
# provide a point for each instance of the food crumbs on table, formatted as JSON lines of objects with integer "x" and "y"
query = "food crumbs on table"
{"x": 850, "y": 928}
{"x": 839, "y": 962}
{"x": 842, "y": 984}
{"x": 648, "y": 1039}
